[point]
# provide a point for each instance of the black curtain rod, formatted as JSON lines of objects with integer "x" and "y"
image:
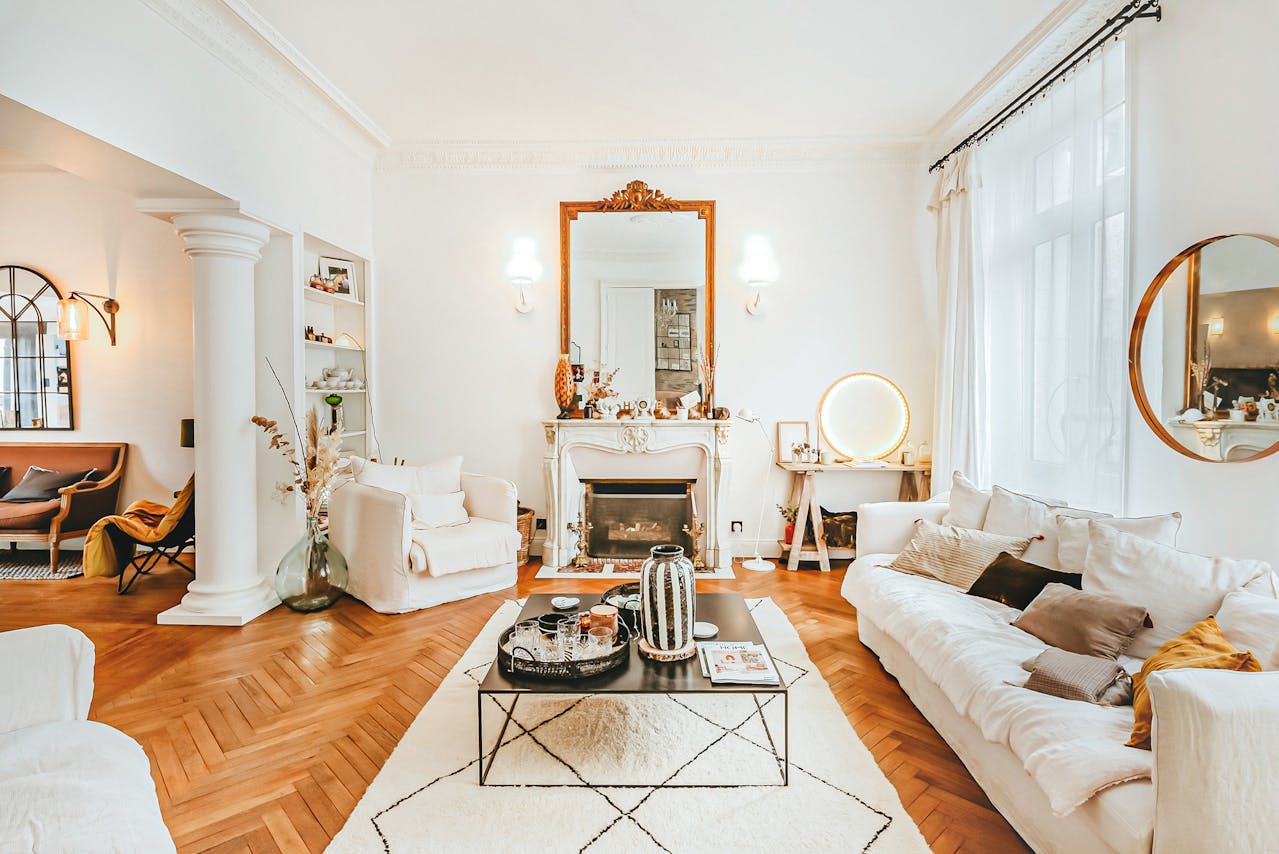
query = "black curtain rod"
{"x": 1133, "y": 11}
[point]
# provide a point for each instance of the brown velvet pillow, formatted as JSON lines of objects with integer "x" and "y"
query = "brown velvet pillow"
{"x": 1081, "y": 622}
{"x": 1016, "y": 583}
{"x": 40, "y": 484}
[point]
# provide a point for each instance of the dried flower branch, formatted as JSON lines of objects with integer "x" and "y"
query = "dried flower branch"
{"x": 319, "y": 462}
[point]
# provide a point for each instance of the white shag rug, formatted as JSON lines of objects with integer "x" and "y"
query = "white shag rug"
{"x": 576, "y": 774}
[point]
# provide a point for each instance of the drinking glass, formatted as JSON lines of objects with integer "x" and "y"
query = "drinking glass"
{"x": 549, "y": 647}
{"x": 599, "y": 641}
{"x": 566, "y": 635}
{"x": 526, "y": 636}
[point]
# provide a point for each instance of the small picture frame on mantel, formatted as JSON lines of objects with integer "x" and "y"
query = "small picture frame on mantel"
{"x": 342, "y": 272}
{"x": 790, "y": 433}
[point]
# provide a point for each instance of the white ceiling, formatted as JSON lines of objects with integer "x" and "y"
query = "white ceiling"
{"x": 550, "y": 70}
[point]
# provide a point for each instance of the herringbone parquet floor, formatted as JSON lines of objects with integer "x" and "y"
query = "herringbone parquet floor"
{"x": 263, "y": 738}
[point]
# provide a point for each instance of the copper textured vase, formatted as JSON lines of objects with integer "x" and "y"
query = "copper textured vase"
{"x": 668, "y": 602}
{"x": 565, "y": 388}
{"x": 312, "y": 575}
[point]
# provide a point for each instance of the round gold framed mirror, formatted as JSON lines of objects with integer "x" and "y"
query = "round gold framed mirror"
{"x": 863, "y": 416}
{"x": 1203, "y": 357}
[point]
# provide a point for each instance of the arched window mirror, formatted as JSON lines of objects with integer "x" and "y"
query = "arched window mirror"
{"x": 35, "y": 364}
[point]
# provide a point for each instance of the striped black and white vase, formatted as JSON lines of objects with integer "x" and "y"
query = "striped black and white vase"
{"x": 667, "y": 599}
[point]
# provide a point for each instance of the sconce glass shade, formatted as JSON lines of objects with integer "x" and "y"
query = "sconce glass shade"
{"x": 759, "y": 267}
{"x": 1274, "y": 325}
{"x": 523, "y": 269}
{"x": 1216, "y": 326}
{"x": 73, "y": 320}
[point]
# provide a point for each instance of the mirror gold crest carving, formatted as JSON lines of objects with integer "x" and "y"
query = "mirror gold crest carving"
{"x": 637, "y": 290}
{"x": 1203, "y": 358}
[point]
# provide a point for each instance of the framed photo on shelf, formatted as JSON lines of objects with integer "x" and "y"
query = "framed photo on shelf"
{"x": 342, "y": 272}
{"x": 790, "y": 433}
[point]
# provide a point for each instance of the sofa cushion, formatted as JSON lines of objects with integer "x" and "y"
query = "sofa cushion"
{"x": 27, "y": 515}
{"x": 1178, "y": 588}
{"x": 41, "y": 484}
{"x": 438, "y": 511}
{"x": 1072, "y": 535}
{"x": 477, "y": 544}
{"x": 77, "y": 786}
{"x": 436, "y": 478}
{"x": 1251, "y": 622}
{"x": 968, "y": 504}
{"x": 1016, "y": 582}
{"x": 1015, "y": 515}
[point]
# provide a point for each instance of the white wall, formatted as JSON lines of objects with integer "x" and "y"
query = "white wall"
{"x": 1204, "y": 131}
{"x": 88, "y": 238}
{"x": 459, "y": 371}
{"x": 118, "y": 70}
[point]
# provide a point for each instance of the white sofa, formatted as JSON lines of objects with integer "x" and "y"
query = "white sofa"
{"x": 1215, "y": 764}
{"x": 67, "y": 784}
{"x": 396, "y": 566}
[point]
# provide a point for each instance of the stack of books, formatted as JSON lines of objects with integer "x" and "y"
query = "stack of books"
{"x": 736, "y": 662}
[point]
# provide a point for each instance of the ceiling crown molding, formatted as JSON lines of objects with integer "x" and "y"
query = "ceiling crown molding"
{"x": 1050, "y": 41}
{"x": 234, "y": 32}
{"x": 734, "y": 154}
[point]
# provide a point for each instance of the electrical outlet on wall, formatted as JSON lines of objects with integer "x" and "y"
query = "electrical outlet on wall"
{"x": 539, "y": 524}
{"x": 735, "y": 527}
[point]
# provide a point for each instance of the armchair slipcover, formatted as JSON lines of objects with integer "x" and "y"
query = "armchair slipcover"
{"x": 396, "y": 566}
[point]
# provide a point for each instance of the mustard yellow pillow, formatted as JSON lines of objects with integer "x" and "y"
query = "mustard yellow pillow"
{"x": 1201, "y": 646}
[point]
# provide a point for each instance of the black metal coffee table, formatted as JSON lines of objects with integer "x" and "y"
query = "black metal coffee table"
{"x": 640, "y": 675}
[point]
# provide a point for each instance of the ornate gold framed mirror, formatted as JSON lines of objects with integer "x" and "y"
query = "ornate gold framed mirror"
{"x": 637, "y": 291}
{"x": 1203, "y": 357}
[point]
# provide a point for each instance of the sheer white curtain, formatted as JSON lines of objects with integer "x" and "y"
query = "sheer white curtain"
{"x": 961, "y": 435}
{"x": 1050, "y": 257}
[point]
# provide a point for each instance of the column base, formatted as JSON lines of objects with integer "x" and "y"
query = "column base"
{"x": 180, "y": 615}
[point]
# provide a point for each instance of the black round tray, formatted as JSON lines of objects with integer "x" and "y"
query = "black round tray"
{"x": 528, "y": 668}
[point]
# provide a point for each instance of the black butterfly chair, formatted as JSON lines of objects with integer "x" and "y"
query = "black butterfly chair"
{"x": 171, "y": 535}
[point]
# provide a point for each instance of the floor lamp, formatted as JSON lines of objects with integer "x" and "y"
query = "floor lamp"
{"x": 757, "y": 563}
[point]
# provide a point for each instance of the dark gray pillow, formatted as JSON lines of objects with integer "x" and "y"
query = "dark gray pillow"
{"x": 43, "y": 484}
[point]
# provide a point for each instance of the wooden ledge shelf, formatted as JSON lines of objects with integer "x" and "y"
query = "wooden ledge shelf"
{"x": 818, "y": 467}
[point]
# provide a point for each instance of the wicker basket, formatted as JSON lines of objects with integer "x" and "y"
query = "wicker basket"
{"x": 524, "y": 524}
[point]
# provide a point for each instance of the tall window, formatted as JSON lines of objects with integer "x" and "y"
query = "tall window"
{"x": 1050, "y": 232}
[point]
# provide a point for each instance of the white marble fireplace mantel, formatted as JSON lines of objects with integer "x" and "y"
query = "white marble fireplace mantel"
{"x": 645, "y": 438}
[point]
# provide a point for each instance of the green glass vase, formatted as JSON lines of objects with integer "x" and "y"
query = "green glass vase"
{"x": 312, "y": 575}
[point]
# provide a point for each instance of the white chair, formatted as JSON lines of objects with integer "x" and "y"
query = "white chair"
{"x": 396, "y": 566}
{"x": 67, "y": 783}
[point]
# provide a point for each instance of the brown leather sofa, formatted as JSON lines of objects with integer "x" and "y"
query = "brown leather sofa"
{"x": 77, "y": 507}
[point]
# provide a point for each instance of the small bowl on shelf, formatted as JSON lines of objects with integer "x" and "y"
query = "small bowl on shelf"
{"x": 338, "y": 374}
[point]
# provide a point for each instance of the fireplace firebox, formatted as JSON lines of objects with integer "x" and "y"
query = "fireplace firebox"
{"x": 629, "y": 517}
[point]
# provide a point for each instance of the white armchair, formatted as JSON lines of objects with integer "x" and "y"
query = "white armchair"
{"x": 67, "y": 783}
{"x": 396, "y": 566}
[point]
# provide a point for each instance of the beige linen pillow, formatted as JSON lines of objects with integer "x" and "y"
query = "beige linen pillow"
{"x": 1072, "y": 535}
{"x": 957, "y": 556}
{"x": 1178, "y": 588}
{"x": 968, "y": 504}
{"x": 1081, "y": 622}
{"x": 439, "y": 511}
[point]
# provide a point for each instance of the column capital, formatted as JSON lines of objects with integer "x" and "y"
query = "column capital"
{"x": 221, "y": 234}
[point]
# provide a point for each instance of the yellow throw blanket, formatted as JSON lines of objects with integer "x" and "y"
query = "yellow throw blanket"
{"x": 112, "y": 540}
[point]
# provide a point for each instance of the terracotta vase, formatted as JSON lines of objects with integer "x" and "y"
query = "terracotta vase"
{"x": 564, "y": 385}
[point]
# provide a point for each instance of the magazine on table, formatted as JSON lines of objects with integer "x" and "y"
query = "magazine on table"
{"x": 737, "y": 662}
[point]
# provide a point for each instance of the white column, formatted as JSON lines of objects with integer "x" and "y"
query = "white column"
{"x": 229, "y": 589}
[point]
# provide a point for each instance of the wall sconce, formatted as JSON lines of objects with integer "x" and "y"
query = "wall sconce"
{"x": 523, "y": 270}
{"x": 1274, "y": 324}
{"x": 1216, "y": 326}
{"x": 758, "y": 270}
{"x": 73, "y": 315}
